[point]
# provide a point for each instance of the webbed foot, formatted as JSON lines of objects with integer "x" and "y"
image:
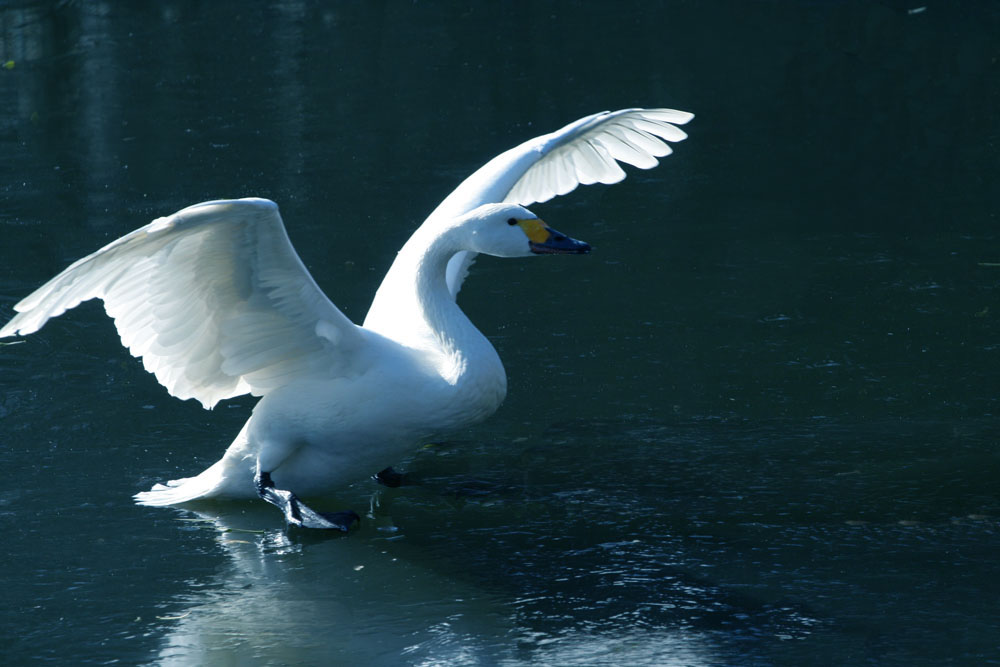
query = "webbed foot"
{"x": 341, "y": 521}
{"x": 297, "y": 513}
{"x": 389, "y": 477}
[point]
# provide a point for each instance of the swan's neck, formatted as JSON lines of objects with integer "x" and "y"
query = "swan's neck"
{"x": 414, "y": 307}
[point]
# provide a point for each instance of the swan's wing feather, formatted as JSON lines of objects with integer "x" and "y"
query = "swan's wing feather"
{"x": 213, "y": 298}
{"x": 589, "y": 151}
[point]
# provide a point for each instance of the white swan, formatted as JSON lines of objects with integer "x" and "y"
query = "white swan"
{"x": 218, "y": 304}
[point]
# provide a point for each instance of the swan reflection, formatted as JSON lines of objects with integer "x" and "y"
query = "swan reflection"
{"x": 299, "y": 597}
{"x": 291, "y": 598}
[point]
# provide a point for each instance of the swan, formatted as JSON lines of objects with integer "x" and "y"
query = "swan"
{"x": 217, "y": 303}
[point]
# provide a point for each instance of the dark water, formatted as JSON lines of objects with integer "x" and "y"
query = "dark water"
{"x": 756, "y": 427}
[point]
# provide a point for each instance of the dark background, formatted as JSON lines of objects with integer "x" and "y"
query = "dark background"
{"x": 756, "y": 426}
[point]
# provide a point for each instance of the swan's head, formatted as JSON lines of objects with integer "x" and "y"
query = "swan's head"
{"x": 509, "y": 230}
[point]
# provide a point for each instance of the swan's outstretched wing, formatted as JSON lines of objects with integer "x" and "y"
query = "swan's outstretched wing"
{"x": 584, "y": 152}
{"x": 588, "y": 151}
{"x": 213, "y": 298}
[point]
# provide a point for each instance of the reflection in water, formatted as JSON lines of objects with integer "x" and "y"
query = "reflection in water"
{"x": 299, "y": 598}
{"x": 281, "y": 603}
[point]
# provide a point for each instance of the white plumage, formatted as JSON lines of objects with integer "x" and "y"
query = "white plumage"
{"x": 217, "y": 303}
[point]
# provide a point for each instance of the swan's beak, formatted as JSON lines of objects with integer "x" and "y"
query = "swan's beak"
{"x": 543, "y": 240}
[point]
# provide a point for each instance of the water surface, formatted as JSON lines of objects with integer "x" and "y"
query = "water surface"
{"x": 757, "y": 426}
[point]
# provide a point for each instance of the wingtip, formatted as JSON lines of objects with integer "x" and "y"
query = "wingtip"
{"x": 674, "y": 116}
{"x": 14, "y": 328}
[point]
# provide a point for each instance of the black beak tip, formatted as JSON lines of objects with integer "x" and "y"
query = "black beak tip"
{"x": 563, "y": 245}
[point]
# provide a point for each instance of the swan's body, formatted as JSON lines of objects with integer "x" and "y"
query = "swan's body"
{"x": 217, "y": 303}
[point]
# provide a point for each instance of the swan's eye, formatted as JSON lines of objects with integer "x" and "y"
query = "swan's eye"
{"x": 512, "y": 221}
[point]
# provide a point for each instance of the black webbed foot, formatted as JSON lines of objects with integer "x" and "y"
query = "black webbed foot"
{"x": 341, "y": 521}
{"x": 297, "y": 513}
{"x": 389, "y": 477}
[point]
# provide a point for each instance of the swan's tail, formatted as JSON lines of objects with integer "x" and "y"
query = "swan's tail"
{"x": 229, "y": 477}
{"x": 205, "y": 485}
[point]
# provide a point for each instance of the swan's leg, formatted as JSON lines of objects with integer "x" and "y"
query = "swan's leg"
{"x": 298, "y": 513}
{"x": 389, "y": 477}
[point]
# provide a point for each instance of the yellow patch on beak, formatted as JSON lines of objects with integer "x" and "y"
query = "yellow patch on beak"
{"x": 535, "y": 230}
